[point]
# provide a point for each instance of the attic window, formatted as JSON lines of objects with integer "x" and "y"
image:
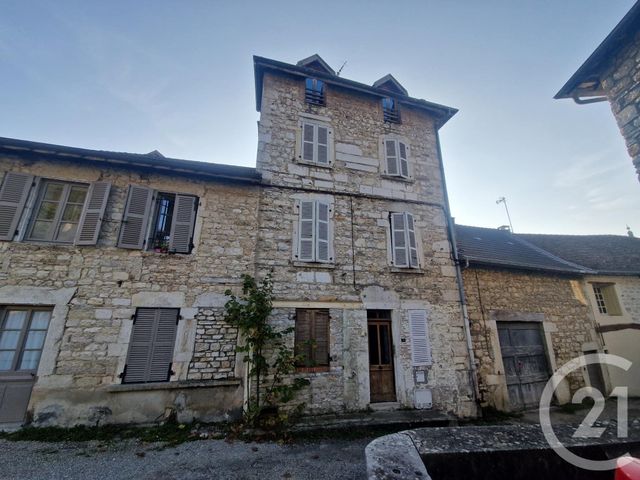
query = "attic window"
{"x": 314, "y": 91}
{"x": 390, "y": 111}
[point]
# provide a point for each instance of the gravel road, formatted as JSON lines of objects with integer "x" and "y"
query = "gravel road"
{"x": 205, "y": 459}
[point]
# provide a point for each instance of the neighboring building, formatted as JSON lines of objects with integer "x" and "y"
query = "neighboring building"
{"x": 612, "y": 73}
{"x": 613, "y": 291}
{"x": 528, "y": 317}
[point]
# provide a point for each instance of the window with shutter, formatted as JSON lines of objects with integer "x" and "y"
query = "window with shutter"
{"x": 184, "y": 217}
{"x": 420, "y": 343}
{"x": 404, "y": 247}
{"x": 607, "y": 299}
{"x": 316, "y": 144}
{"x": 314, "y": 91}
{"x": 314, "y": 231}
{"x": 13, "y": 196}
{"x": 390, "y": 112}
{"x": 152, "y": 343}
{"x": 312, "y": 339}
{"x": 92, "y": 214}
{"x": 396, "y": 158}
{"x": 136, "y": 217}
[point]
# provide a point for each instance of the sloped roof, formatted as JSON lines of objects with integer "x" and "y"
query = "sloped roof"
{"x": 488, "y": 246}
{"x": 316, "y": 62}
{"x": 608, "y": 254}
{"x": 388, "y": 82}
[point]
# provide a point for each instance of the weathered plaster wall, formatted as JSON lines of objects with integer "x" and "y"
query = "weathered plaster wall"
{"x": 622, "y": 85}
{"x": 108, "y": 283}
{"x": 567, "y": 323}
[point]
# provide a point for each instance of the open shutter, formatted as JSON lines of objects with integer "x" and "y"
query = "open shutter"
{"x": 411, "y": 234}
{"x": 184, "y": 217}
{"x": 163, "y": 344}
{"x": 303, "y": 336}
{"x": 136, "y": 217}
{"x": 306, "y": 231}
{"x": 404, "y": 165}
{"x": 399, "y": 240}
{"x": 140, "y": 346}
{"x": 611, "y": 300}
{"x": 420, "y": 343}
{"x": 322, "y": 232}
{"x": 13, "y": 195}
{"x": 391, "y": 157}
{"x": 322, "y": 145}
{"x": 321, "y": 337}
{"x": 308, "y": 142}
{"x": 92, "y": 213}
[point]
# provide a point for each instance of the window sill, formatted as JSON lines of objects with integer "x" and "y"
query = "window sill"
{"x": 319, "y": 265}
{"x": 314, "y": 164}
{"x": 415, "y": 271}
{"x": 398, "y": 178}
{"x": 320, "y": 369}
{"x": 301, "y": 372}
{"x": 182, "y": 384}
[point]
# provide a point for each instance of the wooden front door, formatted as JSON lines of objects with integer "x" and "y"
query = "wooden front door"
{"x": 22, "y": 334}
{"x": 381, "y": 378}
{"x": 525, "y": 362}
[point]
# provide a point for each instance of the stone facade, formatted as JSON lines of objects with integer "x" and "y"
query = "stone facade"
{"x": 214, "y": 354}
{"x": 555, "y": 301}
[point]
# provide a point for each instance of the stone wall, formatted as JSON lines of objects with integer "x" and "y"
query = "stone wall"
{"x": 567, "y": 321}
{"x": 214, "y": 353}
{"x": 621, "y": 82}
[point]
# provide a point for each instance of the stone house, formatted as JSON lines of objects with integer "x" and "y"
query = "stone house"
{"x": 113, "y": 266}
{"x": 612, "y": 73}
{"x": 528, "y": 317}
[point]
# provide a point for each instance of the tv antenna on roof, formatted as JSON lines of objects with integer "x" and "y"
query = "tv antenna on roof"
{"x": 504, "y": 200}
{"x": 340, "y": 69}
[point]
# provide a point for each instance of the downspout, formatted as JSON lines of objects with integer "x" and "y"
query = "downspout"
{"x": 456, "y": 261}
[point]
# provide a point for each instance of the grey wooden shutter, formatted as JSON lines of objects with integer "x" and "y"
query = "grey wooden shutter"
{"x": 13, "y": 196}
{"x": 322, "y": 232}
{"x": 391, "y": 157}
{"x": 411, "y": 234}
{"x": 321, "y": 337}
{"x": 322, "y": 145}
{"x": 152, "y": 343}
{"x": 420, "y": 343}
{"x": 399, "y": 240}
{"x": 306, "y": 231}
{"x": 92, "y": 213}
{"x": 404, "y": 164}
{"x": 136, "y": 217}
{"x": 184, "y": 217}
{"x": 308, "y": 142}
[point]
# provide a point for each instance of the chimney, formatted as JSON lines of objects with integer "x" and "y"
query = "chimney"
{"x": 630, "y": 233}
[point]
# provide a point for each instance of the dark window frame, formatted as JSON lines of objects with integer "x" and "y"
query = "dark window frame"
{"x": 23, "y": 336}
{"x": 307, "y": 349}
{"x": 390, "y": 110}
{"x": 315, "y": 91}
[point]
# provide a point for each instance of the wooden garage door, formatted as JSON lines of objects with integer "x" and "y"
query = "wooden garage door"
{"x": 525, "y": 362}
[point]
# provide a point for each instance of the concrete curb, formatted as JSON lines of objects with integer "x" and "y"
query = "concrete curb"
{"x": 394, "y": 457}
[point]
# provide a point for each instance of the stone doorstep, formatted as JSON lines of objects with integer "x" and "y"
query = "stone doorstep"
{"x": 182, "y": 384}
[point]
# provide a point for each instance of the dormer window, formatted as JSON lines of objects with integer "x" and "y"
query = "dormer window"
{"x": 390, "y": 111}
{"x": 314, "y": 91}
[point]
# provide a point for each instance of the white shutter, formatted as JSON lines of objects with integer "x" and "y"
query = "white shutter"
{"x": 13, "y": 196}
{"x": 391, "y": 157}
{"x": 92, "y": 213}
{"x": 322, "y": 140}
{"x": 308, "y": 142}
{"x": 404, "y": 165}
{"x": 184, "y": 217}
{"x": 136, "y": 217}
{"x": 420, "y": 343}
{"x": 399, "y": 240}
{"x": 306, "y": 231}
{"x": 411, "y": 234}
{"x": 322, "y": 232}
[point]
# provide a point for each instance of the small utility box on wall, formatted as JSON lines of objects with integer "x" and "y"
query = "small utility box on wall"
{"x": 423, "y": 398}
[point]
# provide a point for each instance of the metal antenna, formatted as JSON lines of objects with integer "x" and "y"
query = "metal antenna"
{"x": 340, "y": 69}
{"x": 504, "y": 200}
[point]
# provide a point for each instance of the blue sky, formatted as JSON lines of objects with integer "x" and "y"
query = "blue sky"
{"x": 177, "y": 77}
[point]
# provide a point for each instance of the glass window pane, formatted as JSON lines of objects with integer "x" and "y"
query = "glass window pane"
{"x": 9, "y": 339}
{"x": 6, "y": 358}
{"x": 30, "y": 359}
{"x": 41, "y": 230}
{"x": 67, "y": 232}
{"x": 47, "y": 211}
{"x": 35, "y": 339}
{"x": 53, "y": 191}
{"x": 40, "y": 320}
{"x": 77, "y": 194}
{"x": 385, "y": 354}
{"x": 374, "y": 354}
{"x": 15, "y": 319}
{"x": 72, "y": 213}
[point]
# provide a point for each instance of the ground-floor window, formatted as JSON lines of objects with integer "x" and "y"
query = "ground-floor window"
{"x": 312, "y": 339}
{"x": 22, "y": 334}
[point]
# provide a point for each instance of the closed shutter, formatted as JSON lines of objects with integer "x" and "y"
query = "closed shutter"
{"x": 312, "y": 337}
{"x": 306, "y": 231}
{"x": 308, "y": 142}
{"x": 404, "y": 165}
{"x": 391, "y": 157}
{"x": 420, "y": 343}
{"x": 321, "y": 337}
{"x": 322, "y": 145}
{"x": 152, "y": 343}
{"x": 413, "y": 248}
{"x": 92, "y": 213}
{"x": 322, "y": 231}
{"x": 303, "y": 337}
{"x": 399, "y": 240}
{"x": 136, "y": 217}
{"x": 184, "y": 217}
{"x": 13, "y": 195}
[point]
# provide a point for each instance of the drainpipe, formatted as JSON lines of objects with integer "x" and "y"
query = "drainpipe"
{"x": 456, "y": 261}
{"x": 585, "y": 101}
